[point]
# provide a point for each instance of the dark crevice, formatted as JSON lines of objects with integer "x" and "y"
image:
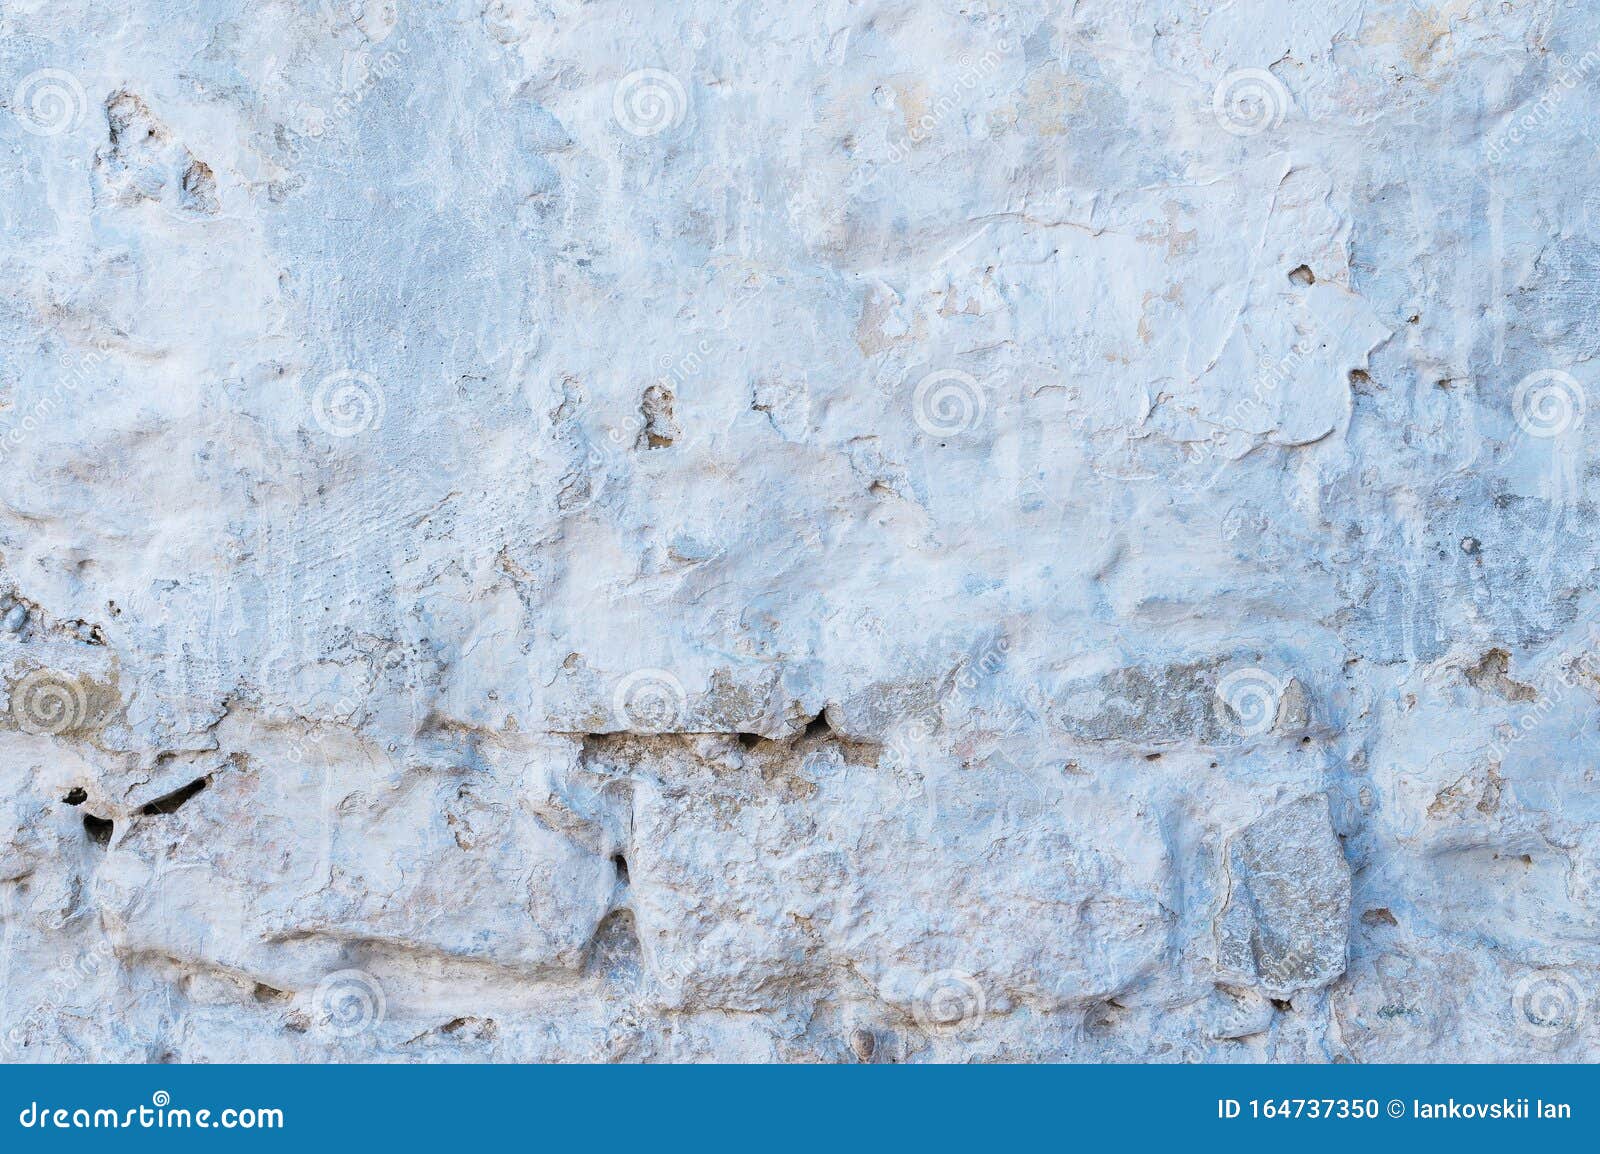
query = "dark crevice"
{"x": 468, "y": 1029}
{"x": 625, "y": 748}
{"x": 77, "y": 795}
{"x": 622, "y": 867}
{"x": 172, "y": 802}
{"x": 480, "y": 1029}
{"x": 98, "y": 828}
{"x": 88, "y": 633}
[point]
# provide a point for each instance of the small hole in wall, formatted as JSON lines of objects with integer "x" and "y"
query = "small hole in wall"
{"x": 77, "y": 795}
{"x": 1152, "y": 757}
{"x": 172, "y": 802}
{"x": 621, "y": 864}
{"x": 818, "y": 726}
{"x": 1303, "y": 275}
{"x": 749, "y": 740}
{"x": 98, "y": 828}
{"x": 1283, "y": 1004}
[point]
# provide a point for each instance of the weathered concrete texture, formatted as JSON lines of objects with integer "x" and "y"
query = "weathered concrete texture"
{"x": 850, "y": 532}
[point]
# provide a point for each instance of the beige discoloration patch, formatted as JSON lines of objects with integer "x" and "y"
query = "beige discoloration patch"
{"x": 1051, "y": 100}
{"x": 42, "y": 701}
{"x": 1490, "y": 675}
{"x": 1425, "y": 37}
{"x": 883, "y": 324}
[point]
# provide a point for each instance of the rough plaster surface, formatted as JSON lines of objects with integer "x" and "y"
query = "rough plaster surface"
{"x": 846, "y": 532}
